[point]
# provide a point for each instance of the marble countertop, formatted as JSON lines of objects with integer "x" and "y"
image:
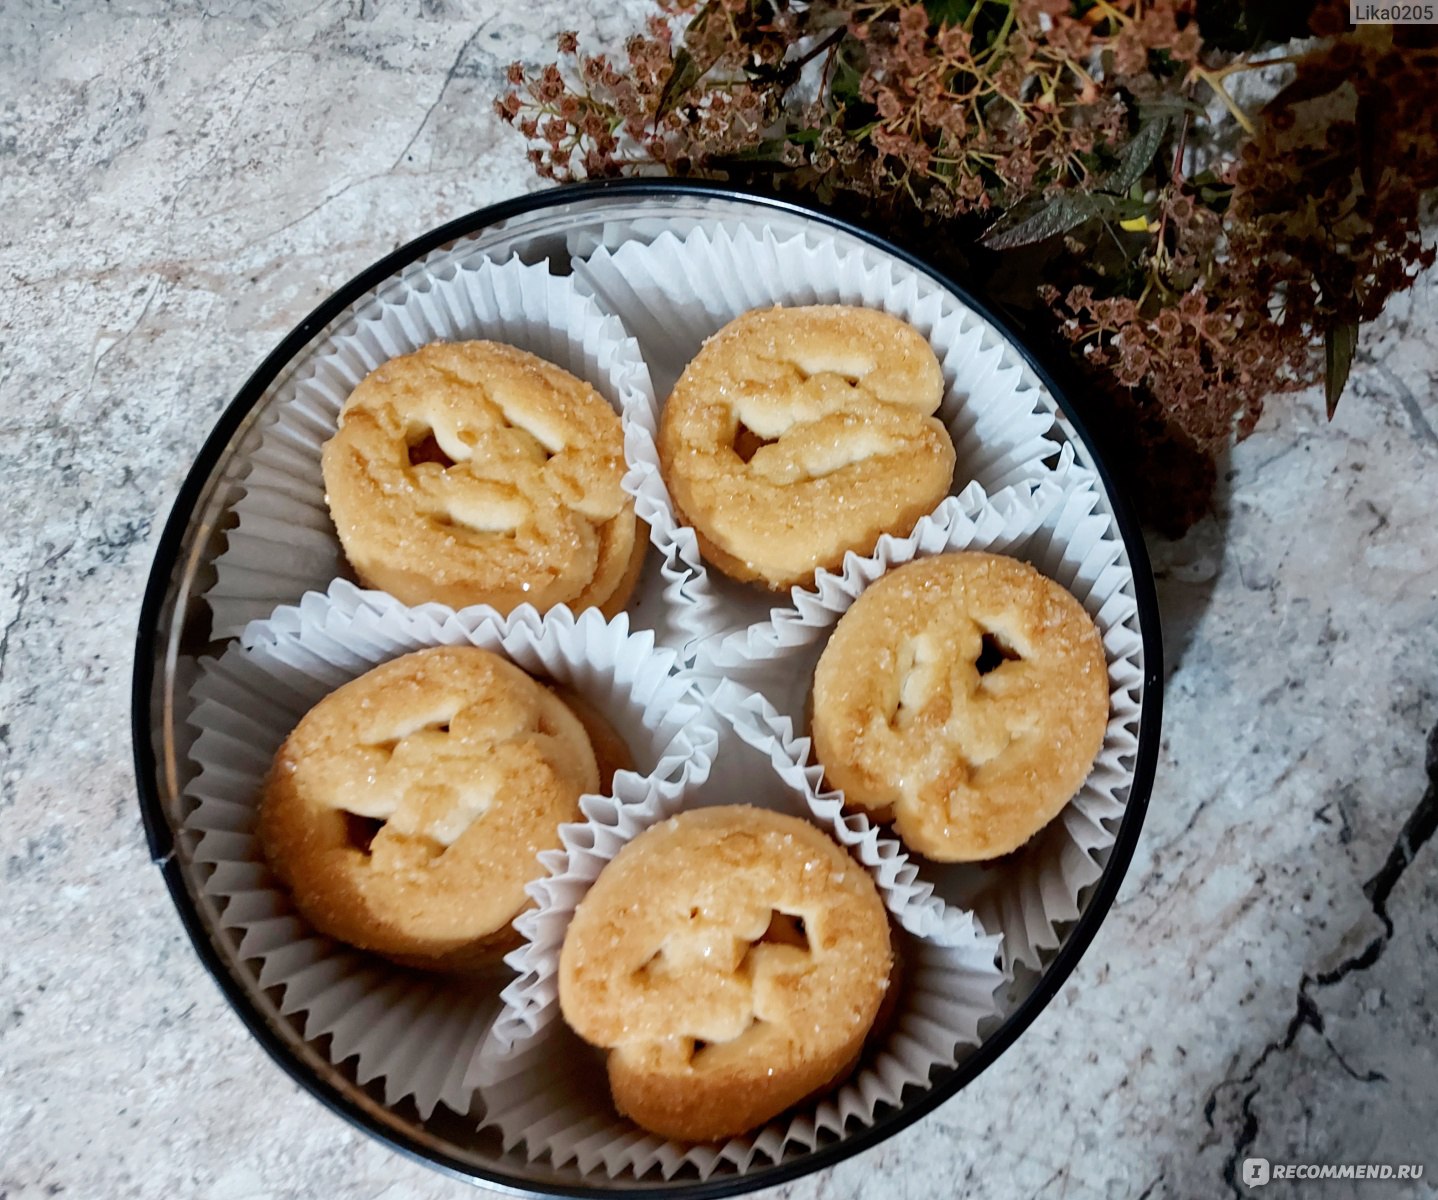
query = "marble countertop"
{"x": 180, "y": 182}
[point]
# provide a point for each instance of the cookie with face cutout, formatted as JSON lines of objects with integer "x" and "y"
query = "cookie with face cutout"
{"x": 732, "y": 962}
{"x": 406, "y": 810}
{"x": 799, "y": 434}
{"x": 477, "y": 473}
{"x": 963, "y": 697}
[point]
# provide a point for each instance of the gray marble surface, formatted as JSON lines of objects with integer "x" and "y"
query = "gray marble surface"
{"x": 179, "y": 183}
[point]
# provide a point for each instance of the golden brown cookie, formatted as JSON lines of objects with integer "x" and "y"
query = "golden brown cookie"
{"x": 798, "y": 434}
{"x": 964, "y": 697}
{"x": 476, "y": 473}
{"x": 732, "y": 961}
{"x": 406, "y": 810}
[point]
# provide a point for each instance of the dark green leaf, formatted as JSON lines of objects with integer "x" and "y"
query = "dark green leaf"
{"x": 686, "y": 73}
{"x": 1169, "y": 106}
{"x": 1135, "y": 157}
{"x": 1339, "y": 342}
{"x": 844, "y": 84}
{"x": 1240, "y": 25}
{"x": 1066, "y": 211}
{"x": 1308, "y": 85}
{"x": 1373, "y": 137}
{"x": 1127, "y": 207}
{"x": 949, "y": 12}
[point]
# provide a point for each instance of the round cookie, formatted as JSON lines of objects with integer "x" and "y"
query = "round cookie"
{"x": 732, "y": 961}
{"x": 798, "y": 434}
{"x": 406, "y": 810}
{"x": 964, "y": 697}
{"x": 477, "y": 473}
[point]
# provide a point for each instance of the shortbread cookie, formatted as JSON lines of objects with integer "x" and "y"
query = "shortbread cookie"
{"x": 732, "y": 961}
{"x": 964, "y": 697}
{"x": 798, "y": 434}
{"x": 406, "y": 810}
{"x": 476, "y": 473}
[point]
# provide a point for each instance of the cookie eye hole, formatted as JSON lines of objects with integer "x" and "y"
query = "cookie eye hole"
{"x": 360, "y": 831}
{"x": 994, "y": 652}
{"x": 785, "y": 929}
{"x": 428, "y": 450}
{"x": 747, "y": 443}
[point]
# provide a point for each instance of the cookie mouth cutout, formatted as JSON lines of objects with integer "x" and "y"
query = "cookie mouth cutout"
{"x": 747, "y": 443}
{"x": 428, "y": 451}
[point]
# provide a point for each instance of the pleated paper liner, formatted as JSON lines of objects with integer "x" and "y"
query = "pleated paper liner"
{"x": 283, "y": 542}
{"x": 545, "y": 1090}
{"x": 1030, "y": 895}
{"x": 673, "y": 293}
{"x": 413, "y": 1033}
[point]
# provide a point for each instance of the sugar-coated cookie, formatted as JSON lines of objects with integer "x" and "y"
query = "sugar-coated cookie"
{"x": 732, "y": 961}
{"x": 965, "y": 697}
{"x": 798, "y": 434}
{"x": 477, "y": 473}
{"x": 406, "y": 810}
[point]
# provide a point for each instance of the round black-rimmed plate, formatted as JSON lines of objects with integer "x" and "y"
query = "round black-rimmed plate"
{"x": 175, "y": 627}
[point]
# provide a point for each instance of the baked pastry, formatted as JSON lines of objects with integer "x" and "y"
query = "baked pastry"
{"x": 963, "y": 697}
{"x": 406, "y": 810}
{"x": 476, "y": 473}
{"x": 798, "y": 434}
{"x": 732, "y": 961}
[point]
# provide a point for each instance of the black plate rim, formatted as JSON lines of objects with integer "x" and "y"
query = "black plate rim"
{"x": 161, "y": 840}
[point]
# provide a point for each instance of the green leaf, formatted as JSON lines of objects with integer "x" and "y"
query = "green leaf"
{"x": 844, "y": 84}
{"x": 1169, "y": 106}
{"x": 1126, "y": 207}
{"x": 688, "y": 68}
{"x": 949, "y": 12}
{"x": 1308, "y": 85}
{"x": 1339, "y": 343}
{"x": 1066, "y": 211}
{"x": 686, "y": 73}
{"x": 1134, "y": 160}
{"x": 1241, "y": 25}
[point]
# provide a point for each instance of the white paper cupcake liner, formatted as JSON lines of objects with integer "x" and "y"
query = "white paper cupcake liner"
{"x": 676, "y": 292}
{"x": 545, "y": 1091}
{"x": 414, "y": 1033}
{"x": 283, "y": 542}
{"x": 531, "y": 1001}
{"x": 554, "y": 1104}
{"x": 1029, "y": 895}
